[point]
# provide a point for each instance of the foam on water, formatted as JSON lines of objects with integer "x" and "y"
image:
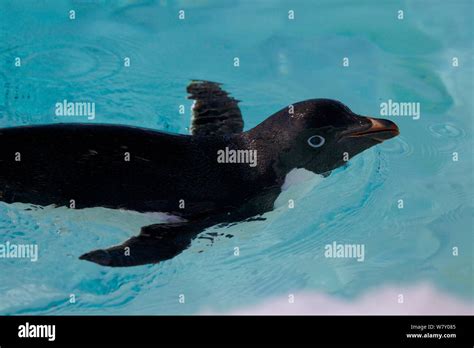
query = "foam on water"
{"x": 418, "y": 299}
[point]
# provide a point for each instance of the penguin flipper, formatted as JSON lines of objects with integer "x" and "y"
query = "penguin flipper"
{"x": 155, "y": 243}
{"x": 214, "y": 111}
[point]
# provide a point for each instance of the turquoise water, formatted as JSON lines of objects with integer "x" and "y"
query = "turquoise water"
{"x": 281, "y": 62}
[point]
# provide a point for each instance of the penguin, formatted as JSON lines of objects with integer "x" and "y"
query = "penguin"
{"x": 219, "y": 174}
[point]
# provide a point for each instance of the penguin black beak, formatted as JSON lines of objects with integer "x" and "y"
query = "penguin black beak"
{"x": 379, "y": 130}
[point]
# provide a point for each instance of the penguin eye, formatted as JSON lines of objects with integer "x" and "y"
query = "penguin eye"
{"x": 316, "y": 141}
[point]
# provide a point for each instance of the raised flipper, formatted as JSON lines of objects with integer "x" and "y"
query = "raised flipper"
{"x": 155, "y": 243}
{"x": 214, "y": 111}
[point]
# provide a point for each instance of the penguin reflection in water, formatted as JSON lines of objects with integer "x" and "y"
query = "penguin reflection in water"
{"x": 217, "y": 175}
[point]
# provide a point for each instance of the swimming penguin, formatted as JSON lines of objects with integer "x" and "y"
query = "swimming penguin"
{"x": 218, "y": 174}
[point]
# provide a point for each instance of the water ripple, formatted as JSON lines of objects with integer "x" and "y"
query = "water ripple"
{"x": 446, "y": 130}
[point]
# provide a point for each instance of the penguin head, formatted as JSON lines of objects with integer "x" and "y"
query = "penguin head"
{"x": 324, "y": 134}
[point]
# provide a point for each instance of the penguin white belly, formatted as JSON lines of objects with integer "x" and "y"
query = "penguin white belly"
{"x": 298, "y": 183}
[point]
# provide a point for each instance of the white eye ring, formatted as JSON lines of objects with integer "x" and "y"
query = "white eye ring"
{"x": 319, "y": 144}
